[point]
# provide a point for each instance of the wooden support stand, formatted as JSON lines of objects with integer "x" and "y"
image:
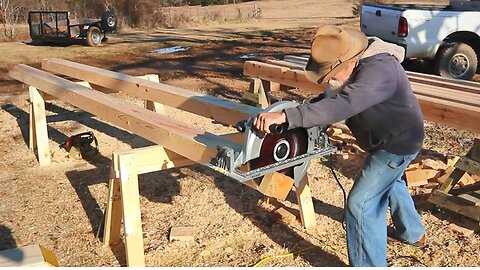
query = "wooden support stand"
{"x": 38, "y": 134}
{"x": 124, "y": 199}
{"x": 464, "y": 200}
{"x": 259, "y": 93}
{"x": 256, "y": 95}
{"x": 178, "y": 144}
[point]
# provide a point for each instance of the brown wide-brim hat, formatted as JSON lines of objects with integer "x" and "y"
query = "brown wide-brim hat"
{"x": 333, "y": 48}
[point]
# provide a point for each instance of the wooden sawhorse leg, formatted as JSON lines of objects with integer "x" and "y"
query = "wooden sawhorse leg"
{"x": 124, "y": 198}
{"x": 305, "y": 204}
{"x": 124, "y": 201}
{"x": 38, "y": 134}
{"x": 277, "y": 185}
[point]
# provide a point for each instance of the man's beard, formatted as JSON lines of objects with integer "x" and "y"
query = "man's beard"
{"x": 335, "y": 86}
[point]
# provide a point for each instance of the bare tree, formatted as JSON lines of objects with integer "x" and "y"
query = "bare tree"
{"x": 10, "y": 12}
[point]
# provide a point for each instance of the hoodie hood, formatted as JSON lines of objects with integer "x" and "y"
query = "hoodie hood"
{"x": 375, "y": 46}
{"x": 378, "y": 46}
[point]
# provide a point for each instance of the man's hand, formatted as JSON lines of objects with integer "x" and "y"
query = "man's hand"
{"x": 263, "y": 121}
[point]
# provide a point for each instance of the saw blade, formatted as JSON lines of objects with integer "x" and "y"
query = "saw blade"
{"x": 276, "y": 148}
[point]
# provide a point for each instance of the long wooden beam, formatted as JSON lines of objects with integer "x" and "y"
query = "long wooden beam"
{"x": 221, "y": 110}
{"x": 422, "y": 83}
{"x": 299, "y": 62}
{"x": 457, "y": 96}
{"x": 283, "y": 75}
{"x": 448, "y": 106}
{"x": 441, "y": 82}
{"x": 450, "y": 113}
{"x": 192, "y": 143}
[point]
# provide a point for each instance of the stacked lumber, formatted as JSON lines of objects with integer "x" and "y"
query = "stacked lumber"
{"x": 455, "y": 103}
{"x": 430, "y": 172}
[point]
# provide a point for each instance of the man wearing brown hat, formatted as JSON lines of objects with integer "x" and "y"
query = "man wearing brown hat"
{"x": 369, "y": 88}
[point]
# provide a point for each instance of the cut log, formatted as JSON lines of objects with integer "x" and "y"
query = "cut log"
{"x": 300, "y": 62}
{"x": 445, "y": 175}
{"x": 466, "y": 180}
{"x": 414, "y": 166}
{"x": 434, "y": 164}
{"x": 419, "y": 177}
{"x": 471, "y": 200}
{"x": 450, "y": 113}
{"x": 454, "y": 204}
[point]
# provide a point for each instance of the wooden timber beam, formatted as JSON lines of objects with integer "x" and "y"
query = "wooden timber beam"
{"x": 438, "y": 81}
{"x": 451, "y": 107}
{"x": 453, "y": 95}
{"x": 192, "y": 143}
{"x": 288, "y": 64}
{"x": 283, "y": 75}
{"x": 450, "y": 113}
{"x": 299, "y": 62}
{"x": 221, "y": 110}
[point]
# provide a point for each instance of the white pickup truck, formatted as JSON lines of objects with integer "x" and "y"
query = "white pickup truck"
{"x": 449, "y": 35}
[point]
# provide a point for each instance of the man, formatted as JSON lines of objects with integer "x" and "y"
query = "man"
{"x": 372, "y": 92}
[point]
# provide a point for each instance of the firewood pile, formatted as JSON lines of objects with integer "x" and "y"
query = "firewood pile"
{"x": 426, "y": 171}
{"x": 430, "y": 172}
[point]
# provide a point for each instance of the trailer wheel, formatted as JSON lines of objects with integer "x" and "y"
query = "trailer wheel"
{"x": 456, "y": 60}
{"x": 109, "y": 21}
{"x": 94, "y": 36}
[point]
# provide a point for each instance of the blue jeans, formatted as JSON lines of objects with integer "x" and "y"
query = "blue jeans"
{"x": 378, "y": 186}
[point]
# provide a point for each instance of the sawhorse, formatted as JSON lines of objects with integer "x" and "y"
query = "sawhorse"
{"x": 124, "y": 202}
{"x": 124, "y": 198}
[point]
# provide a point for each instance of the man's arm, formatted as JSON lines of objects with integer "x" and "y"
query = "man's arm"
{"x": 373, "y": 84}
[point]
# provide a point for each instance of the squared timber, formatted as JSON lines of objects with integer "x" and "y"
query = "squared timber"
{"x": 223, "y": 111}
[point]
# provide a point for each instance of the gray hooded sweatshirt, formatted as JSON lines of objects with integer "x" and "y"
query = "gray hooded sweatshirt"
{"x": 377, "y": 102}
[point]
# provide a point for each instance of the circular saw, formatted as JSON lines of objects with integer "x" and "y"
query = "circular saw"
{"x": 283, "y": 150}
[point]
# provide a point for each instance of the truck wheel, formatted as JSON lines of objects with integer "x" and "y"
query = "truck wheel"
{"x": 109, "y": 21}
{"x": 94, "y": 36}
{"x": 457, "y": 61}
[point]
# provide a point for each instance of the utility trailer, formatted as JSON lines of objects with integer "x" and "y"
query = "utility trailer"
{"x": 56, "y": 26}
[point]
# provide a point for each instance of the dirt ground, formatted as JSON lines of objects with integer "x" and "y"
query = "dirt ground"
{"x": 61, "y": 206}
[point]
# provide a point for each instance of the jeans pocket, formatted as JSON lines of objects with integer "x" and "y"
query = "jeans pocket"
{"x": 396, "y": 163}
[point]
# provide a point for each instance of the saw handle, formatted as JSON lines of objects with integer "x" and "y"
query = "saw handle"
{"x": 275, "y": 129}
